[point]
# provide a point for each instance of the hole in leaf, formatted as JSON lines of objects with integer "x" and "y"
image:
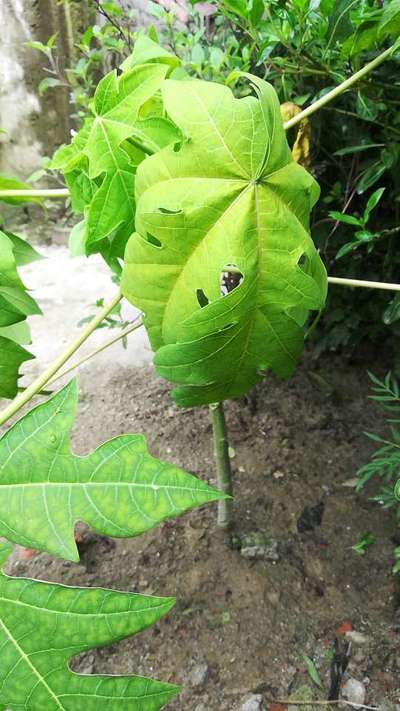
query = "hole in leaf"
{"x": 303, "y": 262}
{"x": 153, "y": 240}
{"x": 201, "y": 298}
{"x": 231, "y": 278}
{"x": 166, "y": 211}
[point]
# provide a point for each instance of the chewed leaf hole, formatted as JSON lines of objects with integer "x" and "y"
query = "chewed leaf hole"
{"x": 231, "y": 278}
{"x": 153, "y": 240}
{"x": 167, "y": 211}
{"x": 303, "y": 262}
{"x": 201, "y": 298}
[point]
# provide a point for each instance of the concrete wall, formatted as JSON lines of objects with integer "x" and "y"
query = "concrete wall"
{"x": 33, "y": 126}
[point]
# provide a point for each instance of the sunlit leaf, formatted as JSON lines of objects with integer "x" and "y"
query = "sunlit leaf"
{"x": 119, "y": 489}
{"x": 230, "y": 201}
{"x": 43, "y": 625}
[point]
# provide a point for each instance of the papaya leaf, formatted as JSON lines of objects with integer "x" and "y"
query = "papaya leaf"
{"x": 15, "y": 306}
{"x": 222, "y": 263}
{"x": 119, "y": 489}
{"x": 100, "y": 164}
{"x": 17, "y": 332}
{"x": 12, "y": 356}
{"x": 147, "y": 51}
{"x": 24, "y": 253}
{"x": 43, "y": 625}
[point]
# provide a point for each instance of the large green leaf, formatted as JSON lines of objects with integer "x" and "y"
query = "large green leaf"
{"x": 231, "y": 200}
{"x": 119, "y": 489}
{"x": 43, "y": 625}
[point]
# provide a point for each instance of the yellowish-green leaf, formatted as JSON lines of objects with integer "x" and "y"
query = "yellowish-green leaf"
{"x": 222, "y": 263}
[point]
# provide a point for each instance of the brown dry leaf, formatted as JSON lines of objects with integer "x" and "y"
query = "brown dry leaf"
{"x": 301, "y": 146}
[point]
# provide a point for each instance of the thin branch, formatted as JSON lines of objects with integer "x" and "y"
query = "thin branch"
{"x": 339, "y": 89}
{"x": 107, "y": 344}
{"x": 57, "y": 364}
{"x": 50, "y": 193}
{"x": 364, "y": 284}
{"x": 125, "y": 37}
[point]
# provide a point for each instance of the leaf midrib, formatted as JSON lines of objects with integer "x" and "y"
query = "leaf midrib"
{"x": 80, "y": 484}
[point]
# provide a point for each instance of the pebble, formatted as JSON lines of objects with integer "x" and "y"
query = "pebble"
{"x": 199, "y": 675}
{"x": 259, "y": 546}
{"x": 253, "y": 703}
{"x": 354, "y": 691}
{"x": 278, "y": 474}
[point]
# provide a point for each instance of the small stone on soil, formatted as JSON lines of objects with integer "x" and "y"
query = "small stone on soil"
{"x": 259, "y": 546}
{"x": 253, "y": 703}
{"x": 354, "y": 691}
{"x": 199, "y": 675}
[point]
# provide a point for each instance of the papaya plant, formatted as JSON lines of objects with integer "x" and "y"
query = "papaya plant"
{"x": 224, "y": 269}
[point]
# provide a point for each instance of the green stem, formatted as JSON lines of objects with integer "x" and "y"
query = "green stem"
{"x": 364, "y": 284}
{"x": 41, "y": 381}
{"x": 107, "y": 344}
{"x": 223, "y": 464}
{"x": 339, "y": 89}
{"x": 50, "y": 193}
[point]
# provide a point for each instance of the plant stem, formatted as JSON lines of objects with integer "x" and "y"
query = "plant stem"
{"x": 101, "y": 348}
{"x": 50, "y": 193}
{"x": 339, "y": 89}
{"x": 364, "y": 284}
{"x": 41, "y": 381}
{"x": 223, "y": 464}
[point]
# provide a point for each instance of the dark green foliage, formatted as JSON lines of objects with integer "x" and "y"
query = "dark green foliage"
{"x": 385, "y": 462}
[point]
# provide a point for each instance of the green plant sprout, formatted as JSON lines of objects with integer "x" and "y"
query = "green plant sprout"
{"x": 225, "y": 271}
{"x": 363, "y": 544}
{"x": 385, "y": 461}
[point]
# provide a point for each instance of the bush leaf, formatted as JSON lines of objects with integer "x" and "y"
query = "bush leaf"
{"x": 119, "y": 489}
{"x": 231, "y": 198}
{"x": 43, "y": 625}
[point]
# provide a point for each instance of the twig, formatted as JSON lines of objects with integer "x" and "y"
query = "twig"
{"x": 57, "y": 364}
{"x": 386, "y": 286}
{"x": 107, "y": 344}
{"x": 339, "y": 89}
{"x": 50, "y": 193}
{"x": 125, "y": 37}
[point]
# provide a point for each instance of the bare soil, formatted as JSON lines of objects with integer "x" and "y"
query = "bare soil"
{"x": 242, "y": 625}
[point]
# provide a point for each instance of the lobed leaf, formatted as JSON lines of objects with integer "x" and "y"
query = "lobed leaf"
{"x": 229, "y": 200}
{"x": 100, "y": 164}
{"x": 15, "y": 306}
{"x": 119, "y": 489}
{"x": 43, "y": 625}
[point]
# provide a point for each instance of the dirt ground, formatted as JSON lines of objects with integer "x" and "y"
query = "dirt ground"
{"x": 241, "y": 625}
